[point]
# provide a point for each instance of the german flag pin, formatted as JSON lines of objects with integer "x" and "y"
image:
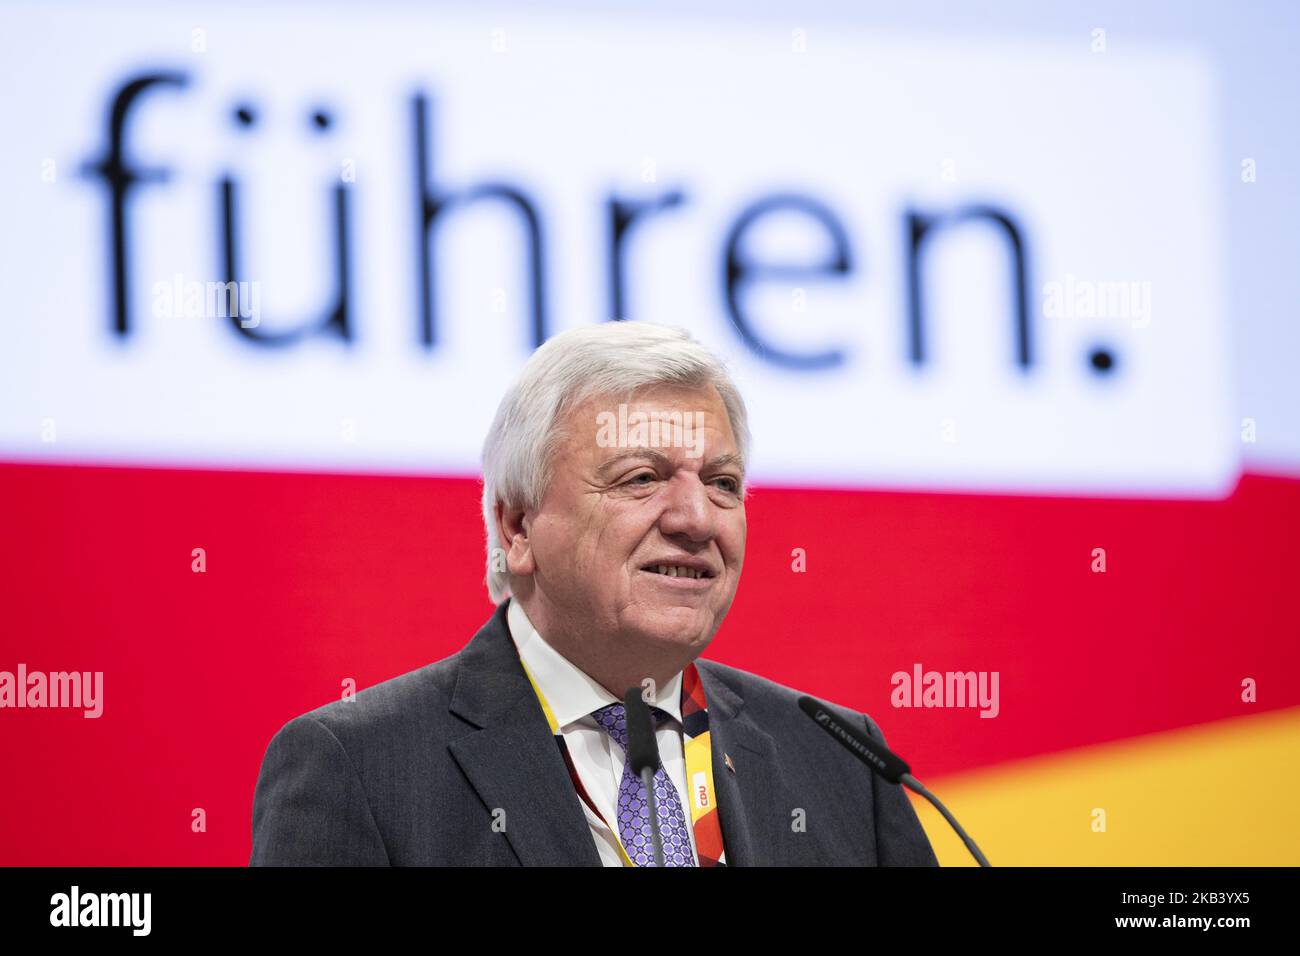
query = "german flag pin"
{"x": 726, "y": 758}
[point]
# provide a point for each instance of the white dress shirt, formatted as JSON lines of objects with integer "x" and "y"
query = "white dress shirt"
{"x": 572, "y": 696}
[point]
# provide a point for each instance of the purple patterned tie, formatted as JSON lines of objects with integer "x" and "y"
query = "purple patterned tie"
{"x": 633, "y": 808}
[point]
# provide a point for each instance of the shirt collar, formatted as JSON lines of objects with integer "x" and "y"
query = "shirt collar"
{"x": 570, "y": 691}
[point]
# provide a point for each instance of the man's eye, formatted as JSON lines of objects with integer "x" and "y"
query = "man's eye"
{"x": 643, "y": 474}
{"x": 732, "y": 484}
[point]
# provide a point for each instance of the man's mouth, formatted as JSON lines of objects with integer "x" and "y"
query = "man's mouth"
{"x": 679, "y": 572}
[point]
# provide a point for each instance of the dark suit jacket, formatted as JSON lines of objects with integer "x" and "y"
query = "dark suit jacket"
{"x": 412, "y": 770}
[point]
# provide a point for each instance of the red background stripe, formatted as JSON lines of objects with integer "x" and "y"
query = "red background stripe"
{"x": 315, "y": 578}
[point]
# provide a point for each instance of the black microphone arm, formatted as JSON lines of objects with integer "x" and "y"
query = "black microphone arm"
{"x": 882, "y": 760}
{"x": 643, "y": 755}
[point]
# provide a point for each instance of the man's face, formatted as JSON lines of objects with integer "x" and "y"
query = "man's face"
{"x": 623, "y": 503}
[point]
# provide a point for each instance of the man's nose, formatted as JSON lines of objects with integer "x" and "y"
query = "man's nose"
{"x": 687, "y": 509}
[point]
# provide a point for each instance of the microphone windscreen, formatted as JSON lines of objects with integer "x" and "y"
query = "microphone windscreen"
{"x": 642, "y": 747}
{"x": 856, "y": 739}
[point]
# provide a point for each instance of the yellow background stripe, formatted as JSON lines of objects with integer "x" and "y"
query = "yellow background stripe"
{"x": 1219, "y": 794}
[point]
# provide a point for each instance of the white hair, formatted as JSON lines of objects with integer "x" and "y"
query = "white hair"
{"x": 613, "y": 358}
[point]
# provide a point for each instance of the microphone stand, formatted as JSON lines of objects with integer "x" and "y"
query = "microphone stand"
{"x": 884, "y": 762}
{"x": 915, "y": 785}
{"x": 648, "y": 778}
{"x": 643, "y": 755}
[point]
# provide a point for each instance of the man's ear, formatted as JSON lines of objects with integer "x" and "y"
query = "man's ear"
{"x": 512, "y": 526}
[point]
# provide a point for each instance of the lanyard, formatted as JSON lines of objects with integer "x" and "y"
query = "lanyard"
{"x": 699, "y": 769}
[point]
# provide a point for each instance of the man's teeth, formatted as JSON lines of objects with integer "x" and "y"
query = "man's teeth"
{"x": 676, "y": 571}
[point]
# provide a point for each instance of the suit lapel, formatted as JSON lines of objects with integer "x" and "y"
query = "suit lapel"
{"x": 752, "y": 801}
{"x": 512, "y": 762}
{"x": 511, "y": 759}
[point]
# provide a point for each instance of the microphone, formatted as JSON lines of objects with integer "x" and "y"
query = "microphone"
{"x": 882, "y": 760}
{"x": 643, "y": 755}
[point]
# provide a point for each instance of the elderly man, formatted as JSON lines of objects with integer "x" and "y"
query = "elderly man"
{"x": 614, "y": 500}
